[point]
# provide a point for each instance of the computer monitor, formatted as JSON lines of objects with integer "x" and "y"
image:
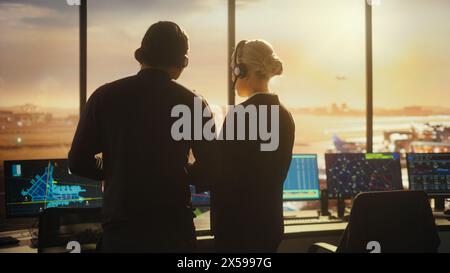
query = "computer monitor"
{"x": 302, "y": 181}
{"x": 199, "y": 199}
{"x": 32, "y": 186}
{"x": 429, "y": 172}
{"x": 349, "y": 174}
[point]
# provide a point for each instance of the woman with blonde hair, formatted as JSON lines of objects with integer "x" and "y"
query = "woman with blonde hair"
{"x": 247, "y": 196}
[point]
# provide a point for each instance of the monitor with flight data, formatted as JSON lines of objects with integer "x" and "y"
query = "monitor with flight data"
{"x": 199, "y": 199}
{"x": 350, "y": 174}
{"x": 32, "y": 186}
{"x": 429, "y": 172}
{"x": 302, "y": 180}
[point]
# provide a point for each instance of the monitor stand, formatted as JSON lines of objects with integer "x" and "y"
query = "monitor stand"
{"x": 340, "y": 206}
{"x": 324, "y": 204}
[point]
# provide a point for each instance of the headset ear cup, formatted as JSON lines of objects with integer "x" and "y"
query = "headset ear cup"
{"x": 236, "y": 71}
{"x": 240, "y": 71}
{"x": 185, "y": 61}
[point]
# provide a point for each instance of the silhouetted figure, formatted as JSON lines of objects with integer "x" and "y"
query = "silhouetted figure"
{"x": 247, "y": 197}
{"x": 146, "y": 205}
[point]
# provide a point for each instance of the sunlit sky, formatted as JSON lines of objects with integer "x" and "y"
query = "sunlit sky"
{"x": 321, "y": 43}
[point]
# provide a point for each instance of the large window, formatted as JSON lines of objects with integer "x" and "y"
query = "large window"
{"x": 411, "y": 41}
{"x": 322, "y": 45}
{"x": 39, "y": 76}
{"x": 116, "y": 28}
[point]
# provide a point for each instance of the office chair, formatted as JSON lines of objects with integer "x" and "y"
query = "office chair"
{"x": 59, "y": 226}
{"x": 396, "y": 221}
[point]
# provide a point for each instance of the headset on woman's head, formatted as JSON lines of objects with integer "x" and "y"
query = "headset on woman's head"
{"x": 240, "y": 69}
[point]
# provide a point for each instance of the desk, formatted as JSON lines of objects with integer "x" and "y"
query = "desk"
{"x": 308, "y": 233}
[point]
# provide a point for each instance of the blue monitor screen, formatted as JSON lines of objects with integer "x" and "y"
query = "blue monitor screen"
{"x": 302, "y": 181}
{"x": 35, "y": 185}
{"x": 350, "y": 174}
{"x": 199, "y": 199}
{"x": 429, "y": 172}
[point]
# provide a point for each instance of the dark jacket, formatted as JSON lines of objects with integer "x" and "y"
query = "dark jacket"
{"x": 145, "y": 170}
{"x": 247, "y": 199}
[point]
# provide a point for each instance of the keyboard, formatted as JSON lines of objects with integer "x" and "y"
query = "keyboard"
{"x": 203, "y": 232}
{"x": 311, "y": 221}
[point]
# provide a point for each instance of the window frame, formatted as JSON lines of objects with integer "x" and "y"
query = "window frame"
{"x": 231, "y": 45}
